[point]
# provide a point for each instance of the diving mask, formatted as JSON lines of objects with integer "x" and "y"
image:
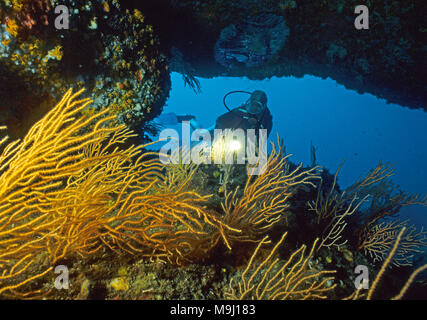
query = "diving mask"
{"x": 257, "y": 102}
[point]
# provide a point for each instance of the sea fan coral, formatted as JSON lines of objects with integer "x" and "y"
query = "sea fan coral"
{"x": 275, "y": 280}
{"x": 265, "y": 197}
{"x": 67, "y": 189}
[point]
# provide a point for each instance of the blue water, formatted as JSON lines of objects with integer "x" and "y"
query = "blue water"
{"x": 342, "y": 124}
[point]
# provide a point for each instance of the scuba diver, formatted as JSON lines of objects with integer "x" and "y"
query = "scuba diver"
{"x": 253, "y": 114}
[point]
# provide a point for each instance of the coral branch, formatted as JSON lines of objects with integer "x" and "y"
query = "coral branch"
{"x": 265, "y": 197}
{"x": 378, "y": 240}
{"x": 67, "y": 189}
{"x": 275, "y": 280}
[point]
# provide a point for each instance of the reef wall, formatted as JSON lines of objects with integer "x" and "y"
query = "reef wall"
{"x": 108, "y": 49}
{"x": 264, "y": 38}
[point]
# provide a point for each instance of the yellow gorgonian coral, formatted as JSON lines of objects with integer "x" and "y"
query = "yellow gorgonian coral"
{"x": 291, "y": 279}
{"x": 17, "y": 5}
{"x": 68, "y": 190}
{"x": 12, "y": 27}
{"x": 265, "y": 197}
{"x": 55, "y": 53}
{"x": 5, "y": 41}
{"x": 138, "y": 15}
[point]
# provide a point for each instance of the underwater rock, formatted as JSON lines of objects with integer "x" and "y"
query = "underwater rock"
{"x": 119, "y": 284}
{"x": 220, "y": 38}
{"x": 112, "y": 52}
{"x": 251, "y": 42}
{"x": 136, "y": 80}
{"x": 336, "y": 51}
{"x": 23, "y": 18}
{"x": 85, "y": 289}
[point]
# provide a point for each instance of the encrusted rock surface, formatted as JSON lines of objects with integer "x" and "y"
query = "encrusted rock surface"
{"x": 388, "y": 60}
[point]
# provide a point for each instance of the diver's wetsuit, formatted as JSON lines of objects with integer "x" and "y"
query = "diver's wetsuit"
{"x": 241, "y": 118}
